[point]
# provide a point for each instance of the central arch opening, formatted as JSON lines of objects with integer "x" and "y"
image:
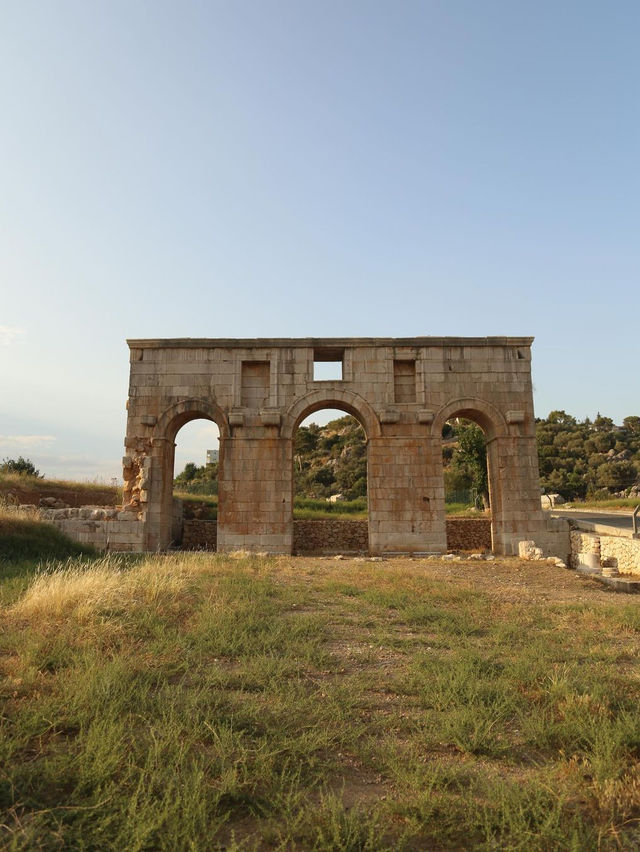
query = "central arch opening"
{"x": 330, "y": 472}
{"x": 466, "y": 484}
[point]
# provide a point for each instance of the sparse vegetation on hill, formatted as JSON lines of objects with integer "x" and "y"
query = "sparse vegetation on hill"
{"x": 589, "y": 459}
{"x": 593, "y": 459}
{"x": 331, "y": 459}
{"x": 17, "y": 488}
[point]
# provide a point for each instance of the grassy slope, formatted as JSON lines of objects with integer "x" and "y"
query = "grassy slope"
{"x": 29, "y": 489}
{"x": 188, "y": 701}
{"x": 25, "y": 542}
{"x": 617, "y": 503}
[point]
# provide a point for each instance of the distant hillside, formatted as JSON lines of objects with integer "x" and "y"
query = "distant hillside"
{"x": 331, "y": 459}
{"x": 588, "y": 458}
{"x": 595, "y": 459}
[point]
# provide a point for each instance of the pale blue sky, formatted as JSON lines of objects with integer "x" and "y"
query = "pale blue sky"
{"x": 272, "y": 168}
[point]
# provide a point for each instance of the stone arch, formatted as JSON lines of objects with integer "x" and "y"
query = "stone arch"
{"x": 494, "y": 425}
{"x": 343, "y": 400}
{"x": 487, "y": 416}
{"x": 160, "y": 507}
{"x": 174, "y": 418}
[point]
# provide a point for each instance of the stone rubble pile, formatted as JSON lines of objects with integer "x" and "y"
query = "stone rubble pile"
{"x": 529, "y": 550}
{"x": 84, "y": 513}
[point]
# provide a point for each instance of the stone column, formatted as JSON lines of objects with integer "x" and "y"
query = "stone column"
{"x": 406, "y": 495}
{"x": 514, "y": 492}
{"x": 255, "y": 494}
{"x": 160, "y": 495}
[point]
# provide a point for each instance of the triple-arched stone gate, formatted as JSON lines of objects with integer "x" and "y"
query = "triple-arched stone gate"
{"x": 401, "y": 390}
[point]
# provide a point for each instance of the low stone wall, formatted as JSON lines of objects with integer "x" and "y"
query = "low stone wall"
{"x": 608, "y": 551}
{"x": 621, "y": 553}
{"x": 330, "y": 536}
{"x": 468, "y": 534}
{"x": 199, "y": 535}
{"x": 583, "y": 544}
{"x": 340, "y": 536}
{"x": 100, "y": 527}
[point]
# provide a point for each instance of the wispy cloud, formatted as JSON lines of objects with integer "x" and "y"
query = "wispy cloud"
{"x": 9, "y": 333}
{"x": 25, "y": 442}
{"x": 79, "y": 468}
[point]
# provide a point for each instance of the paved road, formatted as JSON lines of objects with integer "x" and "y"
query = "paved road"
{"x": 620, "y": 520}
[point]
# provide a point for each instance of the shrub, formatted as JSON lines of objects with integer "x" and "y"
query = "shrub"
{"x": 21, "y": 466}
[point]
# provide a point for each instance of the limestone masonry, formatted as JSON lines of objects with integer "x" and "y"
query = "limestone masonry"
{"x": 401, "y": 390}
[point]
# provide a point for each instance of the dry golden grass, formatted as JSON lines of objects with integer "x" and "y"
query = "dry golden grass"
{"x": 83, "y": 590}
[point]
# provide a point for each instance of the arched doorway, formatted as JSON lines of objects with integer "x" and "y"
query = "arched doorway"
{"x": 162, "y": 523}
{"x": 330, "y": 484}
{"x": 466, "y": 486}
{"x": 464, "y": 457}
{"x": 480, "y": 427}
{"x": 195, "y": 485}
{"x": 313, "y": 406}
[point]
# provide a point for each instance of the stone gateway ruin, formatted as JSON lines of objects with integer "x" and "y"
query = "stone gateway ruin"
{"x": 401, "y": 390}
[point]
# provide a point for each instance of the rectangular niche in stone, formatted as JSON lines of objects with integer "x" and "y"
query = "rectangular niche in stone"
{"x": 404, "y": 381}
{"x": 255, "y": 384}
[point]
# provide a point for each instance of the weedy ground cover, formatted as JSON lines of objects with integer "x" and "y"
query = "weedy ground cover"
{"x": 29, "y": 489}
{"x": 200, "y": 701}
{"x": 25, "y": 541}
{"x": 308, "y": 509}
{"x": 625, "y": 504}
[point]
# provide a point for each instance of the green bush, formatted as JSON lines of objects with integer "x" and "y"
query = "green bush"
{"x": 21, "y": 466}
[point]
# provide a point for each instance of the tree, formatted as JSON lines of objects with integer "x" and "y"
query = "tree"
{"x": 306, "y": 439}
{"x": 21, "y": 466}
{"x": 615, "y": 475}
{"x": 603, "y": 424}
{"x": 561, "y": 418}
{"x": 198, "y": 480}
{"x": 470, "y": 458}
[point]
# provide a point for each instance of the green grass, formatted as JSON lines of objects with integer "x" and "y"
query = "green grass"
{"x": 207, "y": 503}
{"x": 305, "y": 508}
{"x": 196, "y": 701}
{"x": 462, "y": 509}
{"x": 25, "y": 543}
{"x": 613, "y": 503}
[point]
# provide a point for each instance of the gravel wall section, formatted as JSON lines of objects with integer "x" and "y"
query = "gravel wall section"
{"x": 468, "y": 534}
{"x": 339, "y": 536}
{"x": 199, "y": 535}
{"x": 330, "y": 536}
